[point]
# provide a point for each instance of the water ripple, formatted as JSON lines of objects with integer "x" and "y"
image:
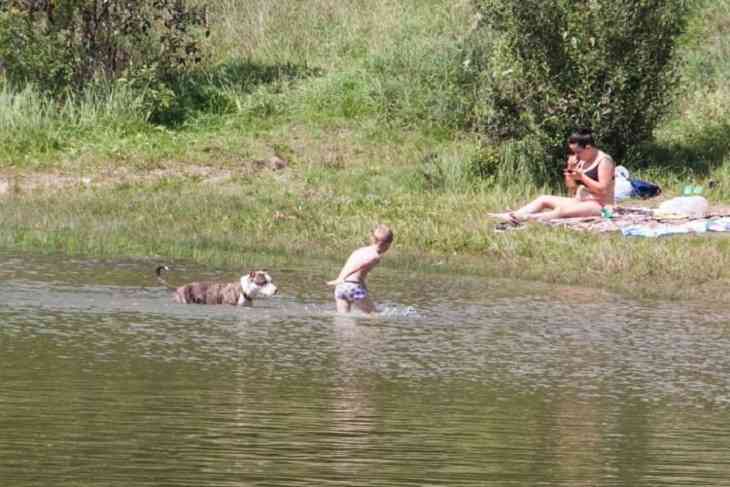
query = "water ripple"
{"x": 107, "y": 382}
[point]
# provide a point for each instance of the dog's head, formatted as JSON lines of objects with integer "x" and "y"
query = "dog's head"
{"x": 258, "y": 283}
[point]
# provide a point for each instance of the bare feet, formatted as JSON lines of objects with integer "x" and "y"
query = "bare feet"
{"x": 508, "y": 217}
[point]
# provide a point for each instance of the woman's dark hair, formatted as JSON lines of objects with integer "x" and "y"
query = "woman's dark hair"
{"x": 582, "y": 137}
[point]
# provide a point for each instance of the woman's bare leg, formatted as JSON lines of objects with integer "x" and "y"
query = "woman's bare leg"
{"x": 541, "y": 204}
{"x": 536, "y": 206}
{"x": 574, "y": 209}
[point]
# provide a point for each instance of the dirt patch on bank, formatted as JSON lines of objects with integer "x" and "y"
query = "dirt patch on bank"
{"x": 26, "y": 183}
{"x": 29, "y": 182}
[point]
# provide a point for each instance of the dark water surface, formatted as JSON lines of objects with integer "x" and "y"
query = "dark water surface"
{"x": 104, "y": 381}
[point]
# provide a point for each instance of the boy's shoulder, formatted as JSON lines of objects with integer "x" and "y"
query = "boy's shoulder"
{"x": 366, "y": 250}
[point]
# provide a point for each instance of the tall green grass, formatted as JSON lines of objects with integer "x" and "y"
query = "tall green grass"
{"x": 379, "y": 62}
{"x": 316, "y": 63}
{"x": 35, "y": 128}
{"x": 692, "y": 144}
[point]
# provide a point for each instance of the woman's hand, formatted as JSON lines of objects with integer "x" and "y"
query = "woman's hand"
{"x": 572, "y": 163}
{"x": 334, "y": 283}
{"x": 577, "y": 174}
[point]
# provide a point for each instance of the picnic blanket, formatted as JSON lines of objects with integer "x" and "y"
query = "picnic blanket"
{"x": 647, "y": 222}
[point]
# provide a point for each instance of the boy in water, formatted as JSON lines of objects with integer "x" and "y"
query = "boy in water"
{"x": 350, "y": 285}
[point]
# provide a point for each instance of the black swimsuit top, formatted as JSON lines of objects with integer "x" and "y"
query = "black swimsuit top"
{"x": 593, "y": 172}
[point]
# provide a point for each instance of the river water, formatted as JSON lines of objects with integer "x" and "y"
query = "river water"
{"x": 104, "y": 381}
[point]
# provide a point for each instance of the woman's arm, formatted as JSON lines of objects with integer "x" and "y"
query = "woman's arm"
{"x": 570, "y": 166}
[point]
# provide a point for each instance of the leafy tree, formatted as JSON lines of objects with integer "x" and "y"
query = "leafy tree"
{"x": 541, "y": 68}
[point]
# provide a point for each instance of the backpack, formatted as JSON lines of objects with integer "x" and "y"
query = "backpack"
{"x": 644, "y": 189}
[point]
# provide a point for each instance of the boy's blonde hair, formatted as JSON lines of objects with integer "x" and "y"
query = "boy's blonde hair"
{"x": 382, "y": 234}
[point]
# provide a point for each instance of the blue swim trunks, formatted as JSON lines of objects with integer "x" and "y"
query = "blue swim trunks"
{"x": 351, "y": 291}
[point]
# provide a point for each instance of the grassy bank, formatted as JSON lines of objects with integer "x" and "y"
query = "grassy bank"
{"x": 359, "y": 99}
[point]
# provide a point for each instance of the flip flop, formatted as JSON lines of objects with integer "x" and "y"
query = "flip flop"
{"x": 508, "y": 226}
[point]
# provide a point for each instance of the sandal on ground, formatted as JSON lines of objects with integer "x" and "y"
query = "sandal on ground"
{"x": 508, "y": 226}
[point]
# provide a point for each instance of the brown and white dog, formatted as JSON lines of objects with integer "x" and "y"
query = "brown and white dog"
{"x": 240, "y": 293}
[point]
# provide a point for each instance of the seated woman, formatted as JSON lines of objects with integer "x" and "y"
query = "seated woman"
{"x": 589, "y": 176}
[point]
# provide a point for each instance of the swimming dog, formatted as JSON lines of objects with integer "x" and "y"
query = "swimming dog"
{"x": 240, "y": 293}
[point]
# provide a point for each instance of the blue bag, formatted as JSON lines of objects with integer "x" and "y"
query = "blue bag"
{"x": 644, "y": 189}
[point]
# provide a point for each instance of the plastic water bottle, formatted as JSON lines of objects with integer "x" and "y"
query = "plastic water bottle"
{"x": 689, "y": 190}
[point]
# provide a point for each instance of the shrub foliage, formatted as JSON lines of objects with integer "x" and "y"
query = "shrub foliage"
{"x": 62, "y": 45}
{"x": 541, "y": 68}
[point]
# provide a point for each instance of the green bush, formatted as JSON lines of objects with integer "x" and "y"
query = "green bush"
{"x": 64, "y": 45}
{"x": 539, "y": 69}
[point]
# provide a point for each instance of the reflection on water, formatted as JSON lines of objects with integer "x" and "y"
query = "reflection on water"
{"x": 457, "y": 382}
